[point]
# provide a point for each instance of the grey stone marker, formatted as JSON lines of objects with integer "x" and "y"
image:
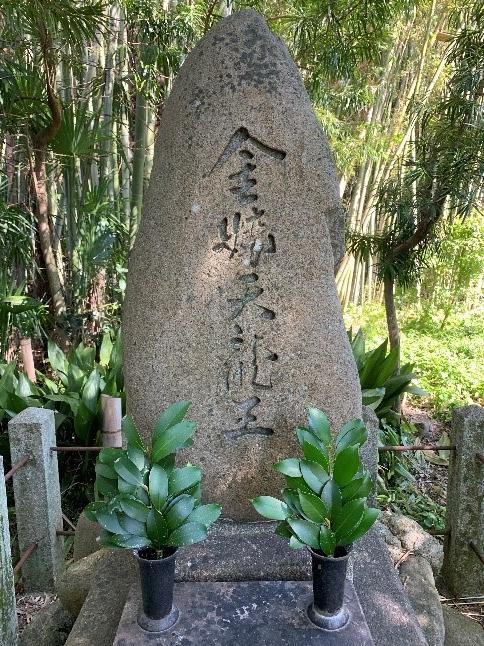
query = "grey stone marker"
{"x": 231, "y": 300}
{"x": 37, "y": 496}
{"x": 462, "y": 568}
{"x": 8, "y": 611}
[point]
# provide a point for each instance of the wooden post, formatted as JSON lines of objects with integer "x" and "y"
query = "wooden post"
{"x": 8, "y": 610}
{"x": 112, "y": 414}
{"x": 28, "y": 359}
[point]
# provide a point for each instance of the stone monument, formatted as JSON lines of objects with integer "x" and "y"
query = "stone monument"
{"x": 231, "y": 300}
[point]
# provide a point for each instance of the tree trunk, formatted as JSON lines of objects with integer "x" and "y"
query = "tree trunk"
{"x": 39, "y": 180}
{"x": 391, "y": 313}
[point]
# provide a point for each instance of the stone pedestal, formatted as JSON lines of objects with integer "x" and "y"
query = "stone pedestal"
{"x": 257, "y": 612}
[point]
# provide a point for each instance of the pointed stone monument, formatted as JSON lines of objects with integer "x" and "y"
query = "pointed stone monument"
{"x": 231, "y": 300}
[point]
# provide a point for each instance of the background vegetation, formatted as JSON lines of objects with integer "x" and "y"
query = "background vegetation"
{"x": 398, "y": 86}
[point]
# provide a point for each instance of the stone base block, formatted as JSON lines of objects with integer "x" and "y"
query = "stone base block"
{"x": 252, "y": 612}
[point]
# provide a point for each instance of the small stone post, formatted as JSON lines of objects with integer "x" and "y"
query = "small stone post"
{"x": 37, "y": 496}
{"x": 462, "y": 569}
{"x": 112, "y": 414}
{"x": 8, "y": 612}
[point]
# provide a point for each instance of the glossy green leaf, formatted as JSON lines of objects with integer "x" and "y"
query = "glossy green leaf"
{"x": 128, "y": 542}
{"x": 295, "y": 544}
{"x": 131, "y": 434}
{"x": 91, "y": 510}
{"x": 314, "y": 475}
{"x": 205, "y": 514}
{"x": 313, "y": 507}
{"x": 179, "y": 512}
{"x": 367, "y": 520}
{"x": 314, "y": 454}
{"x": 319, "y": 425}
{"x": 106, "y": 487}
{"x": 156, "y": 528}
{"x": 158, "y": 486}
{"x": 289, "y": 467}
{"x": 298, "y": 483}
{"x": 306, "y": 532}
{"x": 106, "y": 471}
{"x": 109, "y": 455}
{"x": 270, "y": 507}
{"x": 327, "y": 541}
{"x": 182, "y": 479}
{"x": 172, "y": 416}
{"x": 283, "y": 530}
{"x": 131, "y": 525}
{"x": 134, "y": 508}
{"x": 109, "y": 521}
{"x": 128, "y": 471}
{"x": 173, "y": 439}
{"x": 331, "y": 496}
{"x": 58, "y": 361}
{"x": 187, "y": 534}
{"x": 358, "y": 488}
{"x": 291, "y": 498}
{"x": 346, "y": 464}
{"x": 348, "y": 518}
{"x": 354, "y": 436}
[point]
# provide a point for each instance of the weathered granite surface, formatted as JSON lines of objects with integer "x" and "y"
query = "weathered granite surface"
{"x": 257, "y": 612}
{"x": 461, "y": 630}
{"x": 419, "y": 584}
{"x": 231, "y": 300}
{"x": 50, "y": 626}
{"x": 462, "y": 569}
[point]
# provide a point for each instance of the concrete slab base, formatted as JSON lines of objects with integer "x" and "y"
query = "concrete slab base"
{"x": 252, "y": 612}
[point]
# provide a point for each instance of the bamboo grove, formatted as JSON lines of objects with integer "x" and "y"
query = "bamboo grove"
{"x": 397, "y": 85}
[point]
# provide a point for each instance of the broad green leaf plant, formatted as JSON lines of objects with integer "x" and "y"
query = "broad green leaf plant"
{"x": 147, "y": 502}
{"x": 324, "y": 505}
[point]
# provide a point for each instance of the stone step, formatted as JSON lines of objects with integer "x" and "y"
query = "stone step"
{"x": 256, "y": 612}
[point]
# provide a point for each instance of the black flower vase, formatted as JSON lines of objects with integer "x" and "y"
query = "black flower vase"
{"x": 329, "y": 576}
{"x": 157, "y": 577}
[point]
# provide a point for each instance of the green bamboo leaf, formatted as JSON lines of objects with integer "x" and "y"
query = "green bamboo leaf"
{"x": 90, "y": 392}
{"x": 187, "y": 534}
{"x": 158, "y": 486}
{"x": 306, "y": 532}
{"x": 270, "y": 507}
{"x": 105, "y": 350}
